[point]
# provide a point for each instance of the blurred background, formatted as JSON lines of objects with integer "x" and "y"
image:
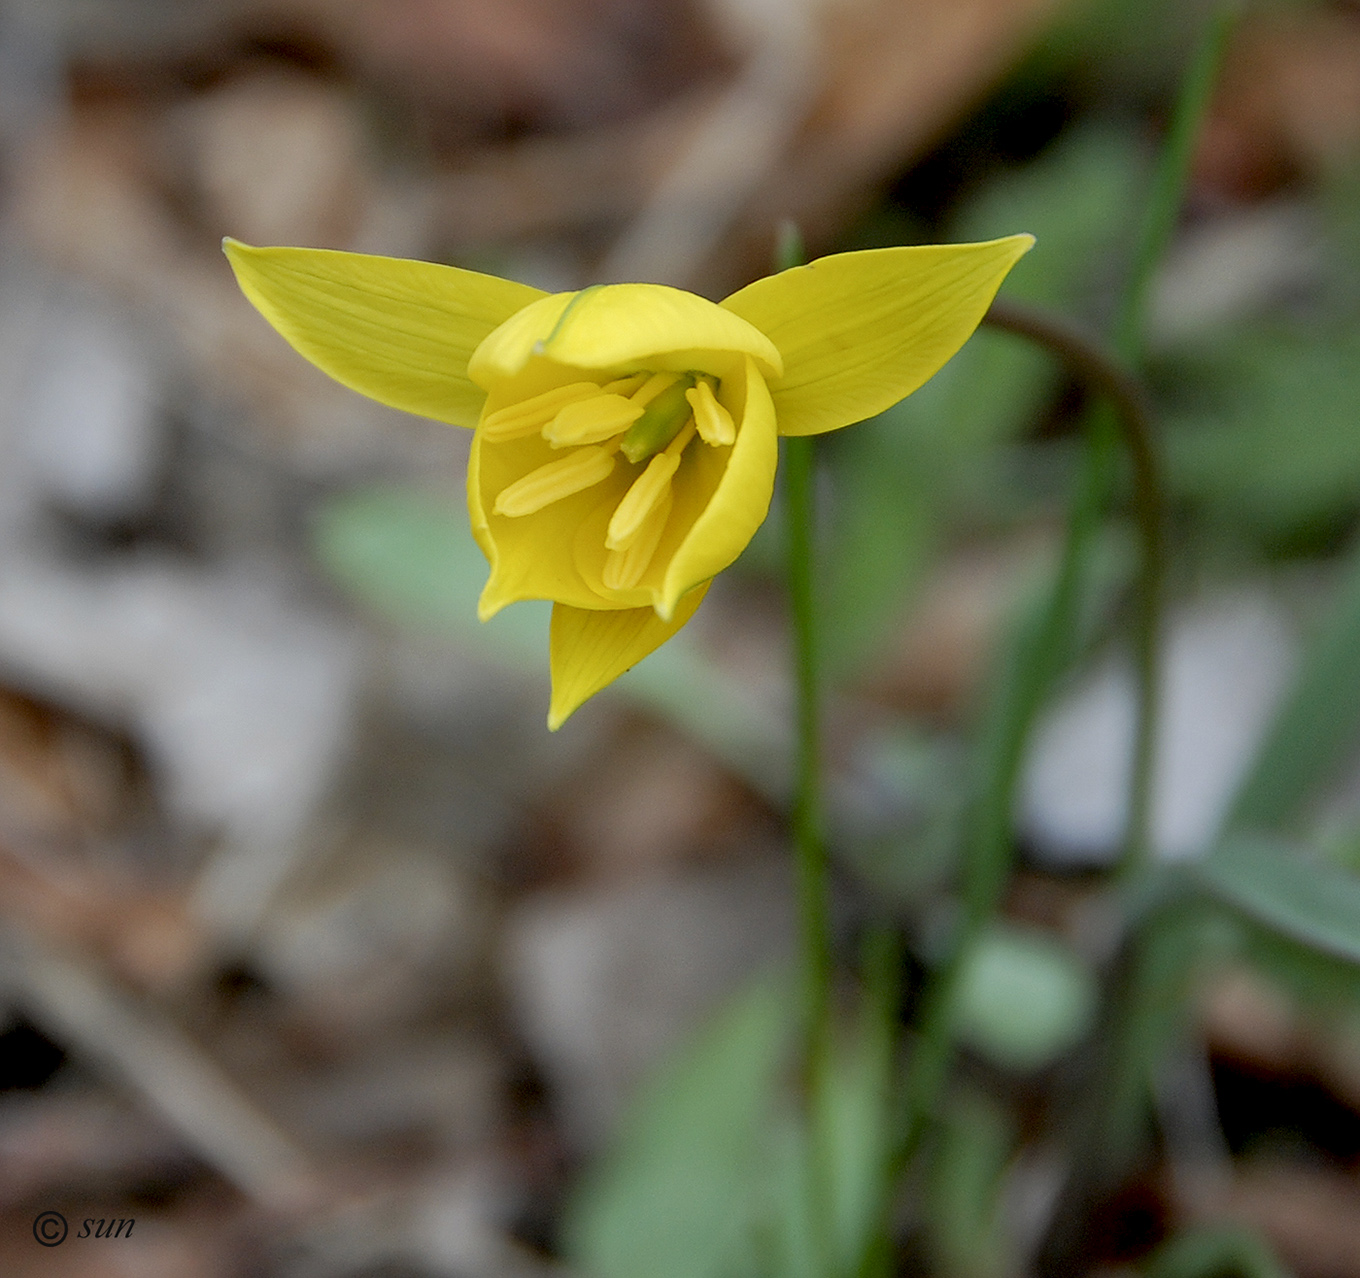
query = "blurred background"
{"x": 319, "y": 956}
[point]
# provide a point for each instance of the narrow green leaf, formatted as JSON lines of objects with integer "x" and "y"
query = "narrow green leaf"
{"x": 963, "y": 1209}
{"x": 854, "y": 1117}
{"x": 1218, "y": 1251}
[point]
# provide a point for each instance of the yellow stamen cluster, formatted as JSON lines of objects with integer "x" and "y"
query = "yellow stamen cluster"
{"x": 651, "y": 418}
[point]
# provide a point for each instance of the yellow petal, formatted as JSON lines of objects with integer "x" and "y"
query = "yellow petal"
{"x": 737, "y": 507}
{"x": 623, "y": 326}
{"x": 398, "y": 331}
{"x": 859, "y": 331}
{"x": 588, "y": 649}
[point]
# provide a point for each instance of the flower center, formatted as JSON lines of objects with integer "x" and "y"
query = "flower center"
{"x": 648, "y": 418}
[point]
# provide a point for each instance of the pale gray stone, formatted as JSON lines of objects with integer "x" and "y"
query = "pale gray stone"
{"x": 1226, "y": 663}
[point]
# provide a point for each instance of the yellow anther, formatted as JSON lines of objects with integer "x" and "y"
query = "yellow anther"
{"x": 623, "y": 569}
{"x": 529, "y": 416}
{"x": 716, "y": 426}
{"x": 653, "y": 387}
{"x": 574, "y": 473}
{"x": 648, "y": 491}
{"x": 591, "y": 421}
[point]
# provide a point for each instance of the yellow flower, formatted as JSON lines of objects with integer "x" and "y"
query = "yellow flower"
{"x": 626, "y": 435}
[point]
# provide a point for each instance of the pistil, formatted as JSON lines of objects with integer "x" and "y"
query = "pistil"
{"x": 660, "y": 422}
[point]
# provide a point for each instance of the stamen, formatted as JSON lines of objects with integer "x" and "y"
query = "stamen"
{"x": 555, "y": 480}
{"x": 623, "y": 569}
{"x": 592, "y": 421}
{"x": 653, "y": 387}
{"x": 529, "y": 416}
{"x": 647, "y": 492}
{"x": 716, "y": 426}
{"x": 625, "y": 385}
{"x": 681, "y": 441}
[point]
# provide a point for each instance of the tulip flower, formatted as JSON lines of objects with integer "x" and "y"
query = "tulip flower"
{"x": 626, "y": 435}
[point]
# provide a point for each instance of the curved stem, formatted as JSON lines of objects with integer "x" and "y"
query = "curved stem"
{"x": 1100, "y": 372}
{"x": 1039, "y": 656}
{"x": 809, "y": 837}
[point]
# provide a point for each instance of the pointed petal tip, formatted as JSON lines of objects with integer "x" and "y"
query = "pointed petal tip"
{"x": 488, "y": 605}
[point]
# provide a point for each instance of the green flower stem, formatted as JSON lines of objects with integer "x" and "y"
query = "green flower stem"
{"x": 809, "y": 838}
{"x": 814, "y": 917}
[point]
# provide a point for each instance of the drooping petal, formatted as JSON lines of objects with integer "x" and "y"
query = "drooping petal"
{"x": 859, "y": 331}
{"x": 589, "y": 649}
{"x": 622, "y": 326}
{"x": 398, "y": 331}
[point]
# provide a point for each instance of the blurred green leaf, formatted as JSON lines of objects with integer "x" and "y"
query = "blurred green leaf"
{"x": 1275, "y": 885}
{"x": 1079, "y": 200}
{"x": 856, "y": 1120}
{"x": 1218, "y": 1251}
{"x": 1107, "y": 37}
{"x": 1271, "y": 446}
{"x": 1329, "y": 986}
{"x": 411, "y": 556}
{"x": 1317, "y": 725}
{"x": 682, "y": 1192}
{"x": 1023, "y": 998}
{"x": 975, "y": 1142}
